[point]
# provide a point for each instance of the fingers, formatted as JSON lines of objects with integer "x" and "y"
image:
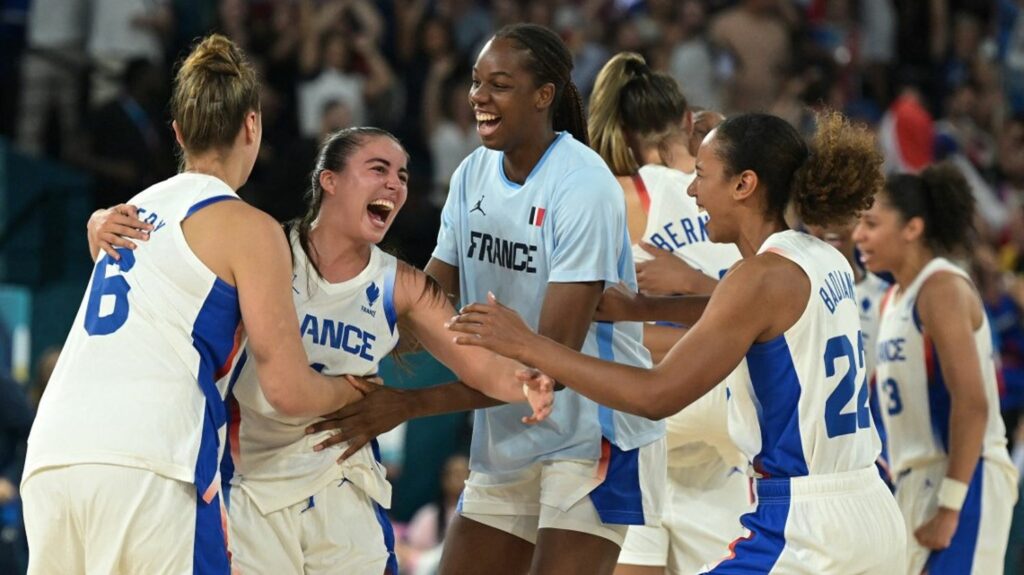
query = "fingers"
{"x": 362, "y": 385}
{"x": 471, "y": 323}
{"x": 130, "y": 215}
{"x": 354, "y": 446}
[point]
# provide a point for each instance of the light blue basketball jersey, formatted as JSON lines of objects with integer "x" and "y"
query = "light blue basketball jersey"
{"x": 565, "y": 224}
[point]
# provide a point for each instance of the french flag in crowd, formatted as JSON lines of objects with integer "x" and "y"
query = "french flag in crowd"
{"x": 536, "y": 216}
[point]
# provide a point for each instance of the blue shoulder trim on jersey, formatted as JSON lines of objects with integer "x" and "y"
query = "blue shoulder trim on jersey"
{"x": 203, "y": 203}
{"x": 389, "y": 299}
{"x": 917, "y": 318}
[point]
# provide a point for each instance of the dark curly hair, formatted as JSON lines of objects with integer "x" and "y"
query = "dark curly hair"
{"x": 942, "y": 198}
{"x": 827, "y": 182}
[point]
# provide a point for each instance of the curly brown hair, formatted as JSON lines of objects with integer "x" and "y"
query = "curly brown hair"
{"x": 828, "y": 182}
{"x": 842, "y": 175}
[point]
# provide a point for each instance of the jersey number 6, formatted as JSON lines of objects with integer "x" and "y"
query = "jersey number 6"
{"x": 114, "y": 286}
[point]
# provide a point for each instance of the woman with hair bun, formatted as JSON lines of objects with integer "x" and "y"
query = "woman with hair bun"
{"x": 122, "y": 472}
{"x": 640, "y": 125}
{"x": 787, "y": 313}
{"x": 936, "y": 373}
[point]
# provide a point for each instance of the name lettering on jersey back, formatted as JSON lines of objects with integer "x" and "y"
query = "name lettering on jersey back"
{"x": 338, "y": 335}
{"x": 690, "y": 231}
{"x": 891, "y": 350}
{"x": 508, "y": 254}
{"x": 836, "y": 287}
{"x": 151, "y": 219}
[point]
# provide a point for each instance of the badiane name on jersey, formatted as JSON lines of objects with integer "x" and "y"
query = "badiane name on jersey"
{"x": 836, "y": 287}
{"x": 515, "y": 256}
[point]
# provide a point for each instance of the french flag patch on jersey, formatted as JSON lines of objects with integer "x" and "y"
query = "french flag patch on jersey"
{"x": 536, "y": 216}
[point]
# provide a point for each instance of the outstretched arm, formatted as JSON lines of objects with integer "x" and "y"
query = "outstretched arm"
{"x": 424, "y": 309}
{"x": 712, "y": 348}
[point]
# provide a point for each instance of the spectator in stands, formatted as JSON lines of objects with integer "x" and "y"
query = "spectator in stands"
{"x": 332, "y": 62}
{"x": 127, "y": 143}
{"x": 122, "y": 31}
{"x": 51, "y": 72}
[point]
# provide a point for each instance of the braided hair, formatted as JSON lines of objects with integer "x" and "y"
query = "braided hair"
{"x": 551, "y": 62}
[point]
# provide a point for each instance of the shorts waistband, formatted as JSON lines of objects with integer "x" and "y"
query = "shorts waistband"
{"x": 812, "y": 485}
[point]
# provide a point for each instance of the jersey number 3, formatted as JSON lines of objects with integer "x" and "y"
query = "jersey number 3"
{"x": 104, "y": 286}
{"x": 836, "y": 422}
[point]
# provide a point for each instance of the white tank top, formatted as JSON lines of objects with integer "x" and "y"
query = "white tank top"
{"x": 137, "y": 383}
{"x": 346, "y": 328}
{"x": 915, "y": 402}
{"x": 698, "y": 434}
{"x": 675, "y": 224}
{"x": 804, "y": 409}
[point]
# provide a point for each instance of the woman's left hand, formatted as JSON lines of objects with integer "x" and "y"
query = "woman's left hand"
{"x": 492, "y": 326}
{"x": 539, "y": 390}
{"x": 937, "y": 532}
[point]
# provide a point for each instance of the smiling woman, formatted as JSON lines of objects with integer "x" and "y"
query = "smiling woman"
{"x": 800, "y": 415}
{"x": 353, "y": 301}
{"x": 938, "y": 377}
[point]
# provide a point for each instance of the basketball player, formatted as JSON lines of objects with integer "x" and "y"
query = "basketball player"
{"x": 640, "y": 125}
{"x": 555, "y": 498}
{"x": 870, "y": 290}
{"x": 351, "y": 298}
{"x": 122, "y": 468}
{"x": 955, "y": 483}
{"x": 786, "y": 312}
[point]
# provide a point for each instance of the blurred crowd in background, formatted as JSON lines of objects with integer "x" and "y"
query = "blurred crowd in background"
{"x": 86, "y": 83}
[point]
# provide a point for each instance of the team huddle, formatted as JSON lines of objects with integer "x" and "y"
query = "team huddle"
{"x": 708, "y": 377}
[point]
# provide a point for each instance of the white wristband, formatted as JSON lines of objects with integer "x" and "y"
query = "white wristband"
{"x": 952, "y": 494}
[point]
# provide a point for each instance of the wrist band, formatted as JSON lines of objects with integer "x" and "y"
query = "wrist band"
{"x": 952, "y": 494}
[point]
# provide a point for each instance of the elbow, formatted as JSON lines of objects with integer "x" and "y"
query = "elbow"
{"x": 282, "y": 399}
{"x": 657, "y": 404}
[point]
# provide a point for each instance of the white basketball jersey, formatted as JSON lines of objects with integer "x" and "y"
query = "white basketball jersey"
{"x": 804, "y": 409}
{"x": 915, "y": 402}
{"x": 137, "y": 381}
{"x": 675, "y": 224}
{"x": 346, "y": 328}
{"x": 870, "y": 291}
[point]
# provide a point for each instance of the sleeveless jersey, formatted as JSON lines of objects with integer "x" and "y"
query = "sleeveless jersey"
{"x": 804, "y": 409}
{"x": 137, "y": 383}
{"x": 675, "y": 224}
{"x": 870, "y": 291}
{"x": 565, "y": 223}
{"x": 915, "y": 402}
{"x": 346, "y": 328}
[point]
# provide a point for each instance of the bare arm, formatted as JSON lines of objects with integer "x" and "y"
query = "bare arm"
{"x": 247, "y": 248}
{"x": 622, "y": 304}
{"x": 709, "y": 351}
{"x": 950, "y": 313}
{"x": 425, "y": 314}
